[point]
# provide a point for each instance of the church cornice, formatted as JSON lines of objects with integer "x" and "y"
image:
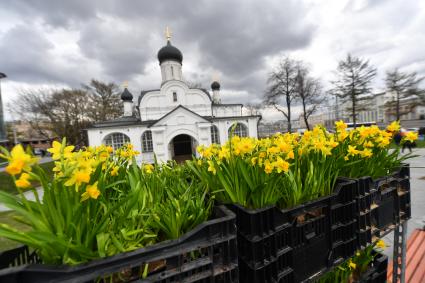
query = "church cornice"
{"x": 174, "y": 110}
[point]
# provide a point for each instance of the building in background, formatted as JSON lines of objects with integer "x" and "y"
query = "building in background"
{"x": 38, "y": 136}
{"x": 173, "y": 119}
{"x": 377, "y": 111}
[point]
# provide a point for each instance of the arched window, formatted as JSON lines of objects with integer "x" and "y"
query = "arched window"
{"x": 116, "y": 140}
{"x": 215, "y": 138}
{"x": 147, "y": 145}
{"x": 239, "y": 130}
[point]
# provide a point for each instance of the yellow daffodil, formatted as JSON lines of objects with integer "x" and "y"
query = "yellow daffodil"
{"x": 268, "y": 168}
{"x": 23, "y": 181}
{"x": 223, "y": 153}
{"x": 91, "y": 192}
{"x": 290, "y": 155}
{"x": 57, "y": 150}
{"x": 15, "y": 167}
{"x": 394, "y": 127}
{"x": 352, "y": 265}
{"x": 340, "y": 125}
{"x": 411, "y": 136}
{"x": 19, "y": 161}
{"x": 342, "y": 135}
{"x": 366, "y": 153}
{"x": 352, "y": 150}
{"x": 368, "y": 144}
{"x": 211, "y": 167}
{"x": 103, "y": 156}
{"x": 381, "y": 244}
{"x": 281, "y": 165}
{"x": 78, "y": 177}
{"x": 114, "y": 171}
{"x": 273, "y": 150}
{"x": 148, "y": 168}
{"x": 245, "y": 146}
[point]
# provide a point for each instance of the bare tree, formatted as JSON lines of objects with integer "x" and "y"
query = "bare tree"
{"x": 68, "y": 111}
{"x": 354, "y": 76}
{"x": 308, "y": 92}
{"x": 65, "y": 110}
{"x": 253, "y": 108}
{"x": 282, "y": 88}
{"x": 403, "y": 86}
{"x": 105, "y": 101}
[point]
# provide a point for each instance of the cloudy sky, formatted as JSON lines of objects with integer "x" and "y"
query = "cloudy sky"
{"x": 66, "y": 43}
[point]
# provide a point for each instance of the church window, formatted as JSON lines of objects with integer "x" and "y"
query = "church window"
{"x": 147, "y": 144}
{"x": 239, "y": 130}
{"x": 174, "y": 96}
{"x": 116, "y": 140}
{"x": 172, "y": 71}
{"x": 214, "y": 135}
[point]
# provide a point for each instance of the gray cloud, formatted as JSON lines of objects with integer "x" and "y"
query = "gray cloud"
{"x": 23, "y": 55}
{"x": 232, "y": 37}
{"x": 116, "y": 40}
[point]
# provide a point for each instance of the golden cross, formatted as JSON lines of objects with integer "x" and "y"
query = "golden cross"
{"x": 215, "y": 76}
{"x": 125, "y": 84}
{"x": 168, "y": 33}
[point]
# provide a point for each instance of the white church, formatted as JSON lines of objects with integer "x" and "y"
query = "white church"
{"x": 170, "y": 122}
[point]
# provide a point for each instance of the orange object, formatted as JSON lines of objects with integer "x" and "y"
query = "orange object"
{"x": 415, "y": 259}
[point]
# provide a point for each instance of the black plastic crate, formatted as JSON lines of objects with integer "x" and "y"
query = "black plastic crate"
{"x": 207, "y": 254}
{"x": 377, "y": 273}
{"x": 277, "y": 270}
{"x": 382, "y": 204}
{"x": 279, "y": 245}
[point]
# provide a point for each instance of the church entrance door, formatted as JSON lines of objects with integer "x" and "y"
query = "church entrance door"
{"x": 183, "y": 147}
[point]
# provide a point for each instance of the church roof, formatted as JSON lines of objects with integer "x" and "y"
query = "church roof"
{"x": 126, "y": 95}
{"x": 122, "y": 121}
{"x": 169, "y": 52}
{"x": 180, "y": 107}
{"x": 215, "y": 85}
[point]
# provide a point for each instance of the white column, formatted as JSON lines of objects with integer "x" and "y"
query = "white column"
{"x": 159, "y": 143}
{"x": 128, "y": 108}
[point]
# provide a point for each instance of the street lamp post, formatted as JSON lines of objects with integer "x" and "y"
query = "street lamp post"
{"x": 2, "y": 127}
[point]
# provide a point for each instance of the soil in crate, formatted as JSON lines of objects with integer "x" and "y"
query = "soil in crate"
{"x": 282, "y": 245}
{"x": 206, "y": 254}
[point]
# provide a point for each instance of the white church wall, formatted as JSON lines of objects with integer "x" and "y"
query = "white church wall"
{"x": 156, "y": 104}
{"x": 96, "y": 136}
{"x": 171, "y": 70}
{"x": 227, "y": 110}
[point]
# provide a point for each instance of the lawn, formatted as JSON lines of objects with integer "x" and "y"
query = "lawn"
{"x": 7, "y": 217}
{"x": 6, "y": 181}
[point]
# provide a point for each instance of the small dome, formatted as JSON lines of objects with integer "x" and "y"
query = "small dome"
{"x": 169, "y": 52}
{"x": 126, "y": 95}
{"x": 215, "y": 85}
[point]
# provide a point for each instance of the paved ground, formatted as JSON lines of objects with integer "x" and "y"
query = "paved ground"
{"x": 417, "y": 194}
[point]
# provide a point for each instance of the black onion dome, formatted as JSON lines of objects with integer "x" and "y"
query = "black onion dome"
{"x": 215, "y": 85}
{"x": 169, "y": 52}
{"x": 126, "y": 95}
